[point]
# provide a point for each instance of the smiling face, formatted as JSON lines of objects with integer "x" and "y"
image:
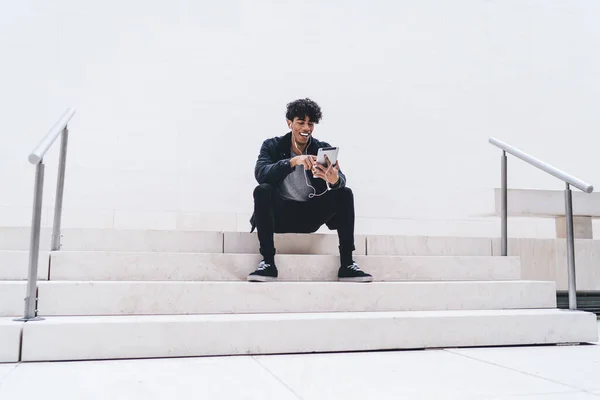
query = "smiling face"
{"x": 301, "y": 129}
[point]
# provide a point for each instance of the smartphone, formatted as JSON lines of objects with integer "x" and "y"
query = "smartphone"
{"x": 332, "y": 154}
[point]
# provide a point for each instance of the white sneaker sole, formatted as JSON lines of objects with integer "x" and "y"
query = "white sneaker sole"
{"x": 258, "y": 278}
{"x": 357, "y": 279}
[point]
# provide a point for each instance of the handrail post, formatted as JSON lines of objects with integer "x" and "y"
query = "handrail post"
{"x": 504, "y": 211}
{"x": 570, "y": 248}
{"x": 34, "y": 246}
{"x": 36, "y": 157}
{"x": 60, "y": 187}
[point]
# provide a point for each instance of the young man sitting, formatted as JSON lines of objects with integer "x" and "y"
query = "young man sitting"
{"x": 298, "y": 195}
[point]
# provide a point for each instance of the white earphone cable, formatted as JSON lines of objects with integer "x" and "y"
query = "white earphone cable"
{"x": 314, "y": 193}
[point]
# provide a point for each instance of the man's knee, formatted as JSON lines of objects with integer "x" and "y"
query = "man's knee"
{"x": 263, "y": 191}
{"x": 345, "y": 193}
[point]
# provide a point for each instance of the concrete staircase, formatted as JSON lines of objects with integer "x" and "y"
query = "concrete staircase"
{"x": 137, "y": 294}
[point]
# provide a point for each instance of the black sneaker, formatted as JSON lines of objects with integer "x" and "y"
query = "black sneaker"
{"x": 353, "y": 273}
{"x": 264, "y": 273}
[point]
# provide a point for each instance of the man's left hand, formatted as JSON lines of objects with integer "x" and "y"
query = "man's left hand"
{"x": 329, "y": 173}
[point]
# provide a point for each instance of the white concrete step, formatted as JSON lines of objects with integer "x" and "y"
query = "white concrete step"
{"x": 10, "y": 340}
{"x": 14, "y": 265}
{"x": 145, "y": 298}
{"x": 18, "y": 238}
{"x": 86, "y": 266}
{"x": 547, "y": 203}
{"x": 244, "y": 242}
{"x": 118, "y": 240}
{"x": 175, "y": 241}
{"x": 90, "y": 338}
{"x": 428, "y": 246}
{"x": 12, "y": 298}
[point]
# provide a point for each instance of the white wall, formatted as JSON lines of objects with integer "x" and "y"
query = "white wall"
{"x": 174, "y": 99}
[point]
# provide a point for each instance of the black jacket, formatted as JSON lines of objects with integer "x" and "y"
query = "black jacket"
{"x": 273, "y": 165}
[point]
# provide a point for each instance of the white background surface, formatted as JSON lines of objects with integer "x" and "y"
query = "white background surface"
{"x": 174, "y": 100}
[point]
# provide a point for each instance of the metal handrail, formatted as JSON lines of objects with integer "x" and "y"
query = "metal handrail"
{"x": 37, "y": 158}
{"x": 563, "y": 176}
{"x": 38, "y": 153}
{"x": 569, "y": 180}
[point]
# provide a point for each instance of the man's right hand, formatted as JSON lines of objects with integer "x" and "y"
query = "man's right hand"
{"x": 305, "y": 160}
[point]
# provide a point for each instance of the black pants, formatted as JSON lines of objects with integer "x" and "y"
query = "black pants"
{"x": 275, "y": 215}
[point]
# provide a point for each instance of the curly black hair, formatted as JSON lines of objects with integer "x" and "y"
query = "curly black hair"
{"x": 302, "y": 108}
